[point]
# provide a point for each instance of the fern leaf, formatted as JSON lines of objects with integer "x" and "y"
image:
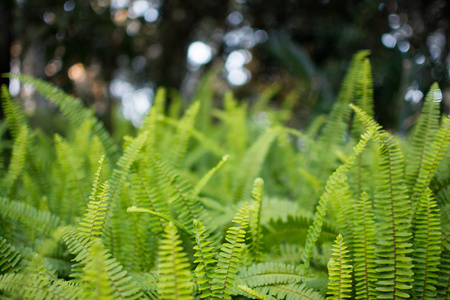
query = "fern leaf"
{"x": 205, "y": 259}
{"x": 150, "y": 122}
{"x": 335, "y": 127}
{"x": 173, "y": 267}
{"x": 427, "y": 252}
{"x": 10, "y": 259}
{"x": 123, "y": 285}
{"x": 183, "y": 201}
{"x": 42, "y": 221}
{"x": 17, "y": 162}
{"x": 251, "y": 165}
{"x": 333, "y": 183}
{"x": 183, "y": 134}
{"x": 444, "y": 276}
{"x": 264, "y": 274}
{"x": 31, "y": 287}
{"x": 118, "y": 177}
{"x": 15, "y": 118}
{"x": 72, "y": 108}
{"x": 97, "y": 284}
{"x": 94, "y": 218}
{"x": 255, "y": 220}
{"x": 204, "y": 180}
{"x": 293, "y": 291}
{"x": 252, "y": 293}
{"x": 339, "y": 271}
{"x": 430, "y": 161}
{"x": 229, "y": 256}
{"x": 364, "y": 93}
{"x": 424, "y": 133}
{"x": 364, "y": 249}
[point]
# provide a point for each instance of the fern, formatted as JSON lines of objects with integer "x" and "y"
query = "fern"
{"x": 425, "y": 131}
{"x": 265, "y": 274}
{"x": 205, "y": 260}
{"x": 251, "y": 165}
{"x": 332, "y": 184}
{"x": 204, "y": 180}
{"x": 255, "y": 221}
{"x": 180, "y": 191}
{"x": 231, "y": 251}
{"x": 17, "y": 163}
{"x": 252, "y": 293}
{"x": 10, "y": 259}
{"x": 123, "y": 285}
{"x": 183, "y": 134}
{"x": 112, "y": 224}
{"x": 393, "y": 217}
{"x": 173, "y": 267}
{"x": 427, "y": 252}
{"x": 430, "y": 162}
{"x": 97, "y": 284}
{"x": 339, "y": 271}
{"x": 15, "y": 118}
{"x": 364, "y": 249}
{"x": 444, "y": 276}
{"x": 293, "y": 291}
{"x": 92, "y": 224}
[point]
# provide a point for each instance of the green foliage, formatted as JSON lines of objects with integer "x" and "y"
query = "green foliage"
{"x": 173, "y": 267}
{"x": 163, "y": 214}
{"x": 339, "y": 271}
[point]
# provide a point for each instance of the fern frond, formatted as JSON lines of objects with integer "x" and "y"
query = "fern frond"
{"x": 333, "y": 183}
{"x": 72, "y": 108}
{"x": 31, "y": 287}
{"x": 432, "y": 156}
{"x": 364, "y": 249}
{"x": 123, "y": 285}
{"x": 364, "y": 94}
{"x": 443, "y": 283}
{"x": 205, "y": 259}
{"x": 150, "y": 122}
{"x": 335, "y": 127}
{"x": 10, "y": 259}
{"x": 42, "y": 221}
{"x": 339, "y": 271}
{"x": 115, "y": 209}
{"x": 252, "y": 293}
{"x": 148, "y": 193}
{"x": 173, "y": 267}
{"x": 251, "y": 165}
{"x": 427, "y": 251}
{"x": 231, "y": 251}
{"x": 204, "y": 180}
{"x": 181, "y": 197}
{"x": 147, "y": 282}
{"x": 94, "y": 218}
{"x": 424, "y": 133}
{"x": 15, "y": 118}
{"x": 71, "y": 165}
{"x": 183, "y": 134}
{"x": 17, "y": 162}
{"x": 255, "y": 220}
{"x": 264, "y": 274}
{"x": 97, "y": 284}
{"x": 293, "y": 291}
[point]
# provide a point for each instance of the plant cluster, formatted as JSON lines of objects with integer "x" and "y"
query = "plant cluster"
{"x": 226, "y": 202}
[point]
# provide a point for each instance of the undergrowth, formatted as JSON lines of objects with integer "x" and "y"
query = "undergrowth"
{"x": 226, "y": 201}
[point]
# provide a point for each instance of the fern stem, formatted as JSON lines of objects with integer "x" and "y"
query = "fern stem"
{"x": 388, "y": 151}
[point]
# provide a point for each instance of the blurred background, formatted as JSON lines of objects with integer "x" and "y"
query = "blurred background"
{"x": 115, "y": 53}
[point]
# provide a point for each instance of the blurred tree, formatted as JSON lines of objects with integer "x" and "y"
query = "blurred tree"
{"x": 109, "y": 49}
